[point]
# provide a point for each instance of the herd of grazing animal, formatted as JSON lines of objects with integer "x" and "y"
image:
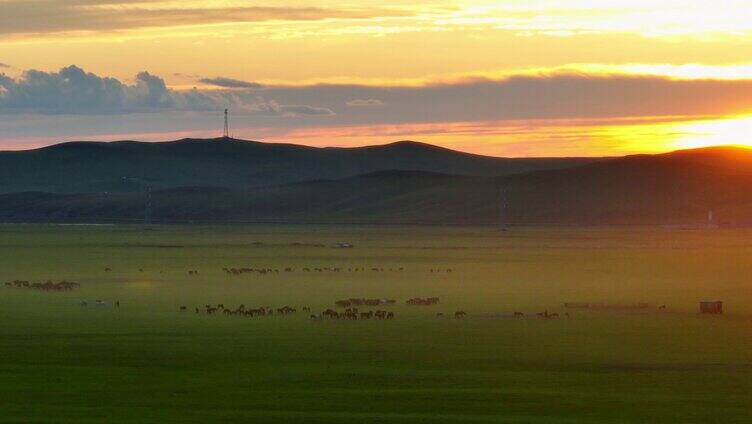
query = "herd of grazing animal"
{"x": 418, "y": 301}
{"x": 346, "y": 303}
{"x": 48, "y": 286}
{"x": 259, "y": 271}
{"x": 517, "y": 314}
{"x": 353, "y": 314}
{"x": 324, "y": 269}
{"x": 242, "y": 310}
{"x": 545, "y": 314}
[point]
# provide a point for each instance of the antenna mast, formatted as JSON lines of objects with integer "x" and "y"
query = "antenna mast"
{"x": 226, "y": 133}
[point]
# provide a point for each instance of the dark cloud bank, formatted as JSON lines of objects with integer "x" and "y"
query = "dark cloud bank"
{"x": 229, "y": 83}
{"x": 73, "y": 91}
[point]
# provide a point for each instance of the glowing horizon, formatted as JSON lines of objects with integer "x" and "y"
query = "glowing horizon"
{"x": 616, "y": 138}
{"x": 507, "y": 78}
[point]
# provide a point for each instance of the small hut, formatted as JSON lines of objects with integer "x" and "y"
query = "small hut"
{"x": 711, "y": 307}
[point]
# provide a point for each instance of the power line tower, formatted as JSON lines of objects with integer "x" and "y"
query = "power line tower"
{"x": 226, "y": 133}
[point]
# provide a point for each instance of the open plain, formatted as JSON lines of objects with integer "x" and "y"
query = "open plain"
{"x": 119, "y": 349}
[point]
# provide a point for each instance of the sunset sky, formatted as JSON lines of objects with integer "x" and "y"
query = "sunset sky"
{"x": 510, "y": 78}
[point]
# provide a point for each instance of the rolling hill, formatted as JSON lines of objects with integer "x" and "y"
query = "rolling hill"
{"x": 126, "y": 166}
{"x": 678, "y": 187}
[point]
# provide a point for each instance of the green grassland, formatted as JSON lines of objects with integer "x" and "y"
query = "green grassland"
{"x": 148, "y": 362}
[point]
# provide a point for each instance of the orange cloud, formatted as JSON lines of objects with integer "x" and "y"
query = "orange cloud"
{"x": 54, "y": 16}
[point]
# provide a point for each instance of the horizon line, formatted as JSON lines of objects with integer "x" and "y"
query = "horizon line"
{"x": 385, "y": 144}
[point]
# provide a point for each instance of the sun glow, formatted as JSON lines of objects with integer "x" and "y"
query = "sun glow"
{"x": 735, "y": 130}
{"x": 558, "y": 137}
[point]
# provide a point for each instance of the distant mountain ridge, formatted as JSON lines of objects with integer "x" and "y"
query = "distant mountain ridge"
{"x": 673, "y": 188}
{"x": 127, "y": 166}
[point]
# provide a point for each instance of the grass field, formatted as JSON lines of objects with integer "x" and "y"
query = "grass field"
{"x": 147, "y": 362}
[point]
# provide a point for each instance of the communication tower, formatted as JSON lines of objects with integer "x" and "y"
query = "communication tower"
{"x": 226, "y": 133}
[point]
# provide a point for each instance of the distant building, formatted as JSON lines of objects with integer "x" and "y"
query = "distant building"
{"x": 711, "y": 307}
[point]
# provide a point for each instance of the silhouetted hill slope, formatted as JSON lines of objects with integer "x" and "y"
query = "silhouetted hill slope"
{"x": 89, "y": 167}
{"x": 679, "y": 187}
{"x": 668, "y": 188}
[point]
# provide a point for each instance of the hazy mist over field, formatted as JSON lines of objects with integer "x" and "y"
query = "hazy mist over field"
{"x": 157, "y": 363}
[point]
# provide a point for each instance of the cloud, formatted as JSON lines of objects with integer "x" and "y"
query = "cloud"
{"x": 151, "y": 92}
{"x": 71, "y": 89}
{"x": 364, "y": 103}
{"x": 4, "y": 65}
{"x": 74, "y": 91}
{"x": 481, "y": 107}
{"x": 270, "y": 108}
{"x": 55, "y": 16}
{"x": 530, "y": 97}
{"x": 229, "y": 83}
{"x": 306, "y": 110}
